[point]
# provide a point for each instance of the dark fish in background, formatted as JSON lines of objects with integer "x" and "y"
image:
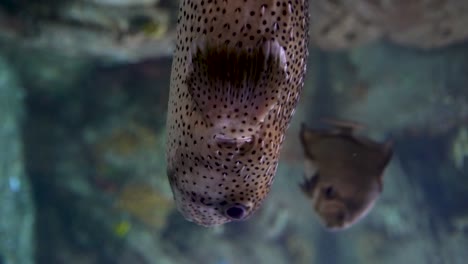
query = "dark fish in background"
{"x": 343, "y": 173}
{"x": 237, "y": 75}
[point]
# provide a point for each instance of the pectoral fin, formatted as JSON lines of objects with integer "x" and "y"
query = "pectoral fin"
{"x": 342, "y": 126}
{"x": 308, "y": 138}
{"x": 309, "y": 184}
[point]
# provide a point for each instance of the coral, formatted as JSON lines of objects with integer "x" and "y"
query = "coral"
{"x": 122, "y": 228}
{"x": 145, "y": 204}
{"x": 149, "y": 27}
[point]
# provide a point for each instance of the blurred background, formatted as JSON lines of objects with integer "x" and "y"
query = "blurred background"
{"x": 83, "y": 96}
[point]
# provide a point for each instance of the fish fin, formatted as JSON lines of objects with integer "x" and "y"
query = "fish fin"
{"x": 343, "y": 126}
{"x": 305, "y": 135}
{"x": 308, "y": 137}
{"x": 309, "y": 184}
{"x": 348, "y": 130}
{"x": 387, "y": 149}
{"x": 233, "y": 85}
{"x": 380, "y": 183}
{"x": 341, "y": 129}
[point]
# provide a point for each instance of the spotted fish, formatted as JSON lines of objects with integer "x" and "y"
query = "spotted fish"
{"x": 343, "y": 173}
{"x": 237, "y": 75}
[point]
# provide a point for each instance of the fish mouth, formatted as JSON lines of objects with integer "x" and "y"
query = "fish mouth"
{"x": 236, "y": 212}
{"x": 334, "y": 215}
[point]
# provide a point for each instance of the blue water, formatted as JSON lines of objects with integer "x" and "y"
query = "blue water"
{"x": 84, "y": 179}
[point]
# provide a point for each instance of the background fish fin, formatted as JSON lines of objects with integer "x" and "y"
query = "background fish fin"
{"x": 387, "y": 149}
{"x": 234, "y": 85}
{"x": 308, "y": 137}
{"x": 309, "y": 184}
{"x": 343, "y": 126}
{"x": 380, "y": 182}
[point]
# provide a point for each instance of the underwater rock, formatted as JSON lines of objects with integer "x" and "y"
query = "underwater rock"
{"x": 51, "y": 74}
{"x": 150, "y": 22}
{"x": 17, "y": 214}
{"x": 100, "y": 232}
{"x": 334, "y": 27}
{"x": 427, "y": 90}
{"x": 419, "y": 23}
{"x": 94, "y": 167}
{"x": 83, "y": 28}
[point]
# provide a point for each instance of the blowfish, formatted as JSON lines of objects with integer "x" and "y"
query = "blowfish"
{"x": 343, "y": 173}
{"x": 237, "y": 75}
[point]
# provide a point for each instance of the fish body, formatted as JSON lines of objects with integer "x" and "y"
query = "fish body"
{"x": 237, "y": 75}
{"x": 343, "y": 173}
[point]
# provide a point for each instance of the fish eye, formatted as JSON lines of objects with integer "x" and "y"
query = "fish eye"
{"x": 235, "y": 212}
{"x": 329, "y": 192}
